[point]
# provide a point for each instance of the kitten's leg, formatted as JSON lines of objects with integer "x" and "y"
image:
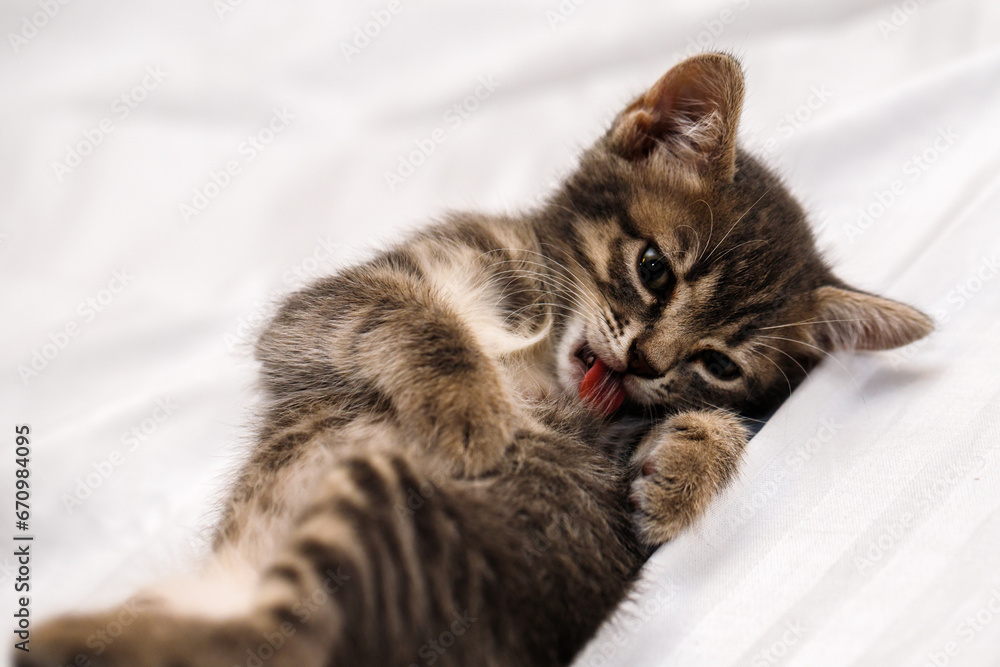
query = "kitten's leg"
{"x": 680, "y": 465}
{"x": 386, "y": 559}
{"x": 388, "y": 340}
{"x": 131, "y": 636}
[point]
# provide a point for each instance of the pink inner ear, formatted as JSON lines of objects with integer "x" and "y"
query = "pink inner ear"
{"x": 686, "y": 97}
{"x": 684, "y": 112}
{"x": 692, "y": 111}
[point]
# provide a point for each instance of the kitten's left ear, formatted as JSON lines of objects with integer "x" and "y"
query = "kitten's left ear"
{"x": 690, "y": 116}
{"x": 851, "y": 320}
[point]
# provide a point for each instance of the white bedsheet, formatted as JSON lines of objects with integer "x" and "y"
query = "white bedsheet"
{"x": 865, "y": 527}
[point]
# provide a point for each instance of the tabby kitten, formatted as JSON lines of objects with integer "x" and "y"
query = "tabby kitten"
{"x": 471, "y": 442}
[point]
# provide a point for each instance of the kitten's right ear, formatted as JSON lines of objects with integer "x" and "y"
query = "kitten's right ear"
{"x": 690, "y": 115}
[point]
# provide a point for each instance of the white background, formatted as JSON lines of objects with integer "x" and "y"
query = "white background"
{"x": 865, "y": 528}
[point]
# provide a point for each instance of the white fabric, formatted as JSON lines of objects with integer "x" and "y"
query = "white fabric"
{"x": 865, "y": 527}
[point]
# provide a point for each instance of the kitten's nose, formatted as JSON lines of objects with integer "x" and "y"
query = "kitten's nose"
{"x": 638, "y": 364}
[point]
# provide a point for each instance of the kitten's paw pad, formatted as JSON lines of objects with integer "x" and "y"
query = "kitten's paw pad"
{"x": 682, "y": 464}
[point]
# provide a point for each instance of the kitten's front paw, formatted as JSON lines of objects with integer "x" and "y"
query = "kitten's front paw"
{"x": 469, "y": 426}
{"x": 681, "y": 465}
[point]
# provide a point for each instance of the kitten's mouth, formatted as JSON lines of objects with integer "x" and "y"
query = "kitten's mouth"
{"x": 600, "y": 387}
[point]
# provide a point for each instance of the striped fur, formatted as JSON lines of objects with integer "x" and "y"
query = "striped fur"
{"x": 426, "y": 486}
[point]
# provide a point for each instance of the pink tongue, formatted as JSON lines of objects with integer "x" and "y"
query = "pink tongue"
{"x": 602, "y": 388}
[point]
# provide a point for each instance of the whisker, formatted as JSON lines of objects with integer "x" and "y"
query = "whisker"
{"x": 553, "y": 305}
{"x": 740, "y": 245}
{"x": 562, "y": 273}
{"x": 554, "y": 286}
{"x": 849, "y": 373}
{"x": 571, "y": 288}
{"x": 696, "y": 235}
{"x": 734, "y": 413}
{"x": 571, "y": 306}
{"x": 711, "y": 229}
{"x": 737, "y": 222}
{"x": 795, "y": 324}
{"x": 582, "y": 268}
{"x": 771, "y": 347}
{"x": 767, "y": 358}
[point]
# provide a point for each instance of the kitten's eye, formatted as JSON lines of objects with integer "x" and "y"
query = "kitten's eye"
{"x": 654, "y": 270}
{"x": 719, "y": 365}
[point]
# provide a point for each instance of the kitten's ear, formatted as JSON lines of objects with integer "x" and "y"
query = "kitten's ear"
{"x": 690, "y": 114}
{"x": 852, "y": 320}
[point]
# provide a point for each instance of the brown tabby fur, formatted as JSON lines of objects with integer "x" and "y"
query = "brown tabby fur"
{"x": 425, "y": 468}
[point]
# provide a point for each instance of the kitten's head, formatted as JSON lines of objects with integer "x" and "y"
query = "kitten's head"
{"x": 701, "y": 282}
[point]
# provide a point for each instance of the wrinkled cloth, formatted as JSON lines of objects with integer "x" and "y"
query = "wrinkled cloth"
{"x": 169, "y": 170}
